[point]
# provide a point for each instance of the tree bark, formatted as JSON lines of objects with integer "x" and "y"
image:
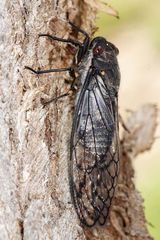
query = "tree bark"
{"x": 35, "y": 201}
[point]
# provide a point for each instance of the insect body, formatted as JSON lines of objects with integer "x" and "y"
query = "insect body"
{"x": 94, "y": 145}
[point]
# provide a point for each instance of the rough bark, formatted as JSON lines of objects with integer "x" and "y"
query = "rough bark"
{"x": 34, "y": 193}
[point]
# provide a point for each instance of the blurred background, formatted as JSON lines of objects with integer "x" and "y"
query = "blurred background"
{"x": 137, "y": 35}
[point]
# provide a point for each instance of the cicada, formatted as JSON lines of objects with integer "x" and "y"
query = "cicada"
{"x": 94, "y": 145}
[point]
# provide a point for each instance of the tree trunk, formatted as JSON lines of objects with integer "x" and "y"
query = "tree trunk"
{"x": 34, "y": 190}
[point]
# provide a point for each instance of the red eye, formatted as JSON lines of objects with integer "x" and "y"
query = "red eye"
{"x": 98, "y": 50}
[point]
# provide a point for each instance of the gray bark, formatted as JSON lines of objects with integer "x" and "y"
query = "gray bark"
{"x": 34, "y": 192}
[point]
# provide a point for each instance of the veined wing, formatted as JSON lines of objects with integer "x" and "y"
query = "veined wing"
{"x": 94, "y": 151}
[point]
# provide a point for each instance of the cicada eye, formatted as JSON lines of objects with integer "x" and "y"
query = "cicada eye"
{"x": 98, "y": 50}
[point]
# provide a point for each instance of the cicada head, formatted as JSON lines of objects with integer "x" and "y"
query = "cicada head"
{"x": 103, "y": 51}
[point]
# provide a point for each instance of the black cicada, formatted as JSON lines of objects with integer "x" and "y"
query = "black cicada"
{"x": 94, "y": 145}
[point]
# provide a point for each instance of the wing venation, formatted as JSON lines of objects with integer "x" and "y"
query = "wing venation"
{"x": 94, "y": 153}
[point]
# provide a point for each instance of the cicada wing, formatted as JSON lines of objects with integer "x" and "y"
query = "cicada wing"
{"x": 94, "y": 153}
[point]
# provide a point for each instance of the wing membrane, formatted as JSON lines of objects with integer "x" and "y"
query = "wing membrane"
{"x": 94, "y": 151}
